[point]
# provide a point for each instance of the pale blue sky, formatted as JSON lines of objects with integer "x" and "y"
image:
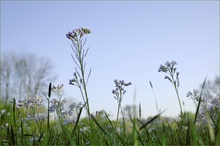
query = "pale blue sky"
{"x": 129, "y": 41}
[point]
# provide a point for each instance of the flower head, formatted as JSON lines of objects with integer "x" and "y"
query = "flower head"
{"x": 119, "y": 90}
{"x": 169, "y": 68}
{"x": 70, "y": 35}
{"x": 77, "y": 33}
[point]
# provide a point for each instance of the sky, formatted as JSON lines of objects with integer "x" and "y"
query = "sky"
{"x": 129, "y": 41}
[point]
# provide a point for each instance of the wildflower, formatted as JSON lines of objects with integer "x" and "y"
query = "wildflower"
{"x": 173, "y": 77}
{"x": 64, "y": 113}
{"x": 68, "y": 121}
{"x": 116, "y": 82}
{"x": 60, "y": 86}
{"x": 40, "y": 117}
{"x": 171, "y": 70}
{"x": 3, "y": 111}
{"x": 54, "y": 104}
{"x": 169, "y": 66}
{"x": 87, "y": 143}
{"x": 19, "y": 103}
{"x": 57, "y": 88}
{"x": 116, "y": 93}
{"x": 215, "y": 101}
{"x": 70, "y": 35}
{"x": 162, "y": 68}
{"x": 29, "y": 117}
{"x": 194, "y": 95}
{"x": 119, "y": 90}
{"x": 51, "y": 109}
{"x": 189, "y": 94}
{"x": 77, "y": 32}
{"x": 75, "y": 106}
{"x": 72, "y": 106}
{"x": 127, "y": 84}
{"x": 72, "y": 81}
{"x": 4, "y": 125}
{"x": 79, "y": 105}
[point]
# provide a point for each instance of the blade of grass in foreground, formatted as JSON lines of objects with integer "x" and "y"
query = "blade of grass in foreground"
{"x": 100, "y": 127}
{"x": 211, "y": 129}
{"x": 195, "y": 136}
{"x": 67, "y": 135}
{"x": 77, "y": 120}
{"x": 12, "y": 137}
{"x": 123, "y": 142}
{"x": 217, "y": 140}
{"x": 135, "y": 131}
{"x": 200, "y": 100}
{"x": 151, "y": 120}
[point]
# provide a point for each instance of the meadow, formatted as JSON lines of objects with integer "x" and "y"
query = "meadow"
{"x": 28, "y": 122}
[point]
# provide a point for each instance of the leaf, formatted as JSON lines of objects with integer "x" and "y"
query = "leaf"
{"x": 100, "y": 127}
{"x": 200, "y": 100}
{"x": 151, "y": 120}
{"x": 151, "y": 84}
{"x": 166, "y": 77}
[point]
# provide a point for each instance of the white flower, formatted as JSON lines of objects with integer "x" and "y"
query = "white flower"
{"x": 3, "y": 111}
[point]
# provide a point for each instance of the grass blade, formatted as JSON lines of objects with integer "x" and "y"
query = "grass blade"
{"x": 12, "y": 137}
{"x": 41, "y": 136}
{"x": 122, "y": 141}
{"x": 136, "y": 131}
{"x": 200, "y": 100}
{"x": 151, "y": 120}
{"x": 77, "y": 120}
{"x": 100, "y": 127}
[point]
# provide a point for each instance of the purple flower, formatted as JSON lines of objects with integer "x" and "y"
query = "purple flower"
{"x": 70, "y": 35}
{"x": 116, "y": 81}
{"x": 215, "y": 101}
{"x": 119, "y": 90}
{"x": 162, "y": 69}
{"x": 127, "y": 84}
{"x": 171, "y": 70}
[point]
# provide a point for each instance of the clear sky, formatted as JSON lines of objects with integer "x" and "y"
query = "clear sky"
{"x": 129, "y": 41}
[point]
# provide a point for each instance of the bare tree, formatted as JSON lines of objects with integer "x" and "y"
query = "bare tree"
{"x": 25, "y": 75}
{"x": 6, "y": 71}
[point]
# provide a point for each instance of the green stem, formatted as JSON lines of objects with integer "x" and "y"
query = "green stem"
{"x": 119, "y": 105}
{"x": 83, "y": 75}
{"x": 48, "y": 120}
{"x": 179, "y": 100}
{"x": 174, "y": 84}
{"x": 85, "y": 98}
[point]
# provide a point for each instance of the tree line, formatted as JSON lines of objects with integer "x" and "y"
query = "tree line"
{"x": 23, "y": 75}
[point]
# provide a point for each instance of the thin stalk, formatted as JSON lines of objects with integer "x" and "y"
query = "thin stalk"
{"x": 179, "y": 100}
{"x": 174, "y": 84}
{"x": 84, "y": 86}
{"x": 117, "y": 116}
{"x": 119, "y": 105}
{"x": 82, "y": 69}
{"x": 79, "y": 46}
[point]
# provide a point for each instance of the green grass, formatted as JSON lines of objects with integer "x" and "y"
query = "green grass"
{"x": 130, "y": 130}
